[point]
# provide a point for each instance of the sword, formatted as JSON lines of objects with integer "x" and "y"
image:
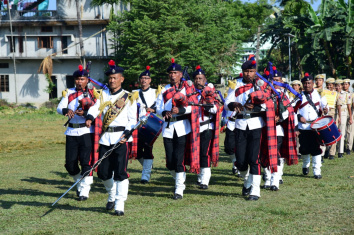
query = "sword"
{"x": 142, "y": 121}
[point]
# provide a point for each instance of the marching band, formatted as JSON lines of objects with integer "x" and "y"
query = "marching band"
{"x": 267, "y": 123}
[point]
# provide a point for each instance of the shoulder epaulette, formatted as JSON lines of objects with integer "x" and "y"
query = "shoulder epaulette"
{"x": 133, "y": 96}
{"x": 232, "y": 84}
{"x": 158, "y": 90}
{"x": 97, "y": 93}
{"x": 64, "y": 92}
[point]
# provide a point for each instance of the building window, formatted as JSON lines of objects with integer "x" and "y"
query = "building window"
{"x": 47, "y": 29}
{"x": 4, "y": 65}
{"x": 69, "y": 27}
{"x": 4, "y": 83}
{"x": 54, "y": 93}
{"x": 20, "y": 44}
{"x": 64, "y": 44}
{"x": 12, "y": 49}
{"x": 70, "y": 81}
{"x": 45, "y": 42}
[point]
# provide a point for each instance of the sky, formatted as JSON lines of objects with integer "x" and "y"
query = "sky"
{"x": 315, "y": 5}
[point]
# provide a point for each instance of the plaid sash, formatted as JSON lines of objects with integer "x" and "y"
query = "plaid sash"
{"x": 288, "y": 147}
{"x": 243, "y": 89}
{"x": 268, "y": 150}
{"x": 76, "y": 94}
{"x": 208, "y": 95}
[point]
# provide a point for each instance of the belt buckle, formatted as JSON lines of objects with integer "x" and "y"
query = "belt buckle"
{"x": 75, "y": 125}
{"x": 247, "y": 116}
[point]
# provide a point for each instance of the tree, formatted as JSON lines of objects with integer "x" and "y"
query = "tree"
{"x": 205, "y": 32}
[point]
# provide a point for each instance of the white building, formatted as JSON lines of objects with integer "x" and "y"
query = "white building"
{"x": 37, "y": 34}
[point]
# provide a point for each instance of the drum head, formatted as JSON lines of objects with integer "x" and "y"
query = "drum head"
{"x": 321, "y": 122}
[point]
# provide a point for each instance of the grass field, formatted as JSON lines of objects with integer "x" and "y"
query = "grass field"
{"x": 33, "y": 177}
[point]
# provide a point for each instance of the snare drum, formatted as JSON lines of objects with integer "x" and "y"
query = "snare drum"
{"x": 150, "y": 131}
{"x": 327, "y": 130}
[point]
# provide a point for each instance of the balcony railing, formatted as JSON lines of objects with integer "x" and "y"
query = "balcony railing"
{"x": 26, "y": 15}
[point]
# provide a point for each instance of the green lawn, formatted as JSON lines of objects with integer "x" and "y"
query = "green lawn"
{"x": 33, "y": 177}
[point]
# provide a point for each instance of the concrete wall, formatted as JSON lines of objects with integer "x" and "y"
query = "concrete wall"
{"x": 31, "y": 85}
{"x": 92, "y": 46}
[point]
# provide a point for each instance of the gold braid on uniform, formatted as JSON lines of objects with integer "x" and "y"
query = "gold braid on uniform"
{"x": 232, "y": 84}
{"x": 97, "y": 93}
{"x": 103, "y": 105}
{"x": 133, "y": 96}
{"x": 158, "y": 90}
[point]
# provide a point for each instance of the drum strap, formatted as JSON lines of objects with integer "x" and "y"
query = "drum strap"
{"x": 144, "y": 101}
{"x": 142, "y": 98}
{"x": 312, "y": 104}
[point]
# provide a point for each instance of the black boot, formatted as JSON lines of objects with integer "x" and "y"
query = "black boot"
{"x": 305, "y": 171}
{"x": 326, "y": 154}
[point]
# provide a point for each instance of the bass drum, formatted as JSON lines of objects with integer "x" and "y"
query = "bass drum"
{"x": 150, "y": 131}
{"x": 327, "y": 130}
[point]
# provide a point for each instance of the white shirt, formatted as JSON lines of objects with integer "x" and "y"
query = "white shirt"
{"x": 252, "y": 123}
{"x": 285, "y": 115}
{"x": 76, "y": 119}
{"x": 213, "y": 110}
{"x": 308, "y": 112}
{"x": 150, "y": 99}
{"x": 182, "y": 127}
{"x": 126, "y": 118}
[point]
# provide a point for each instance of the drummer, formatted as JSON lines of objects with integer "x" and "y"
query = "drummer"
{"x": 332, "y": 98}
{"x": 147, "y": 103}
{"x": 344, "y": 112}
{"x": 309, "y": 110}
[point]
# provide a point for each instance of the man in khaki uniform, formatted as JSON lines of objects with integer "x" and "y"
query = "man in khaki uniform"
{"x": 319, "y": 80}
{"x": 350, "y": 128}
{"x": 343, "y": 107}
{"x": 332, "y": 98}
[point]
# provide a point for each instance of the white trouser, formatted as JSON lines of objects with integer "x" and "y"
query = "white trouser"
{"x": 76, "y": 178}
{"x": 180, "y": 186}
{"x": 281, "y": 168}
{"x": 121, "y": 194}
{"x": 247, "y": 178}
{"x": 86, "y": 186}
{"x": 256, "y": 185}
{"x": 146, "y": 173}
{"x": 204, "y": 175}
{"x": 316, "y": 163}
{"x": 267, "y": 176}
{"x": 275, "y": 179}
{"x": 111, "y": 189}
